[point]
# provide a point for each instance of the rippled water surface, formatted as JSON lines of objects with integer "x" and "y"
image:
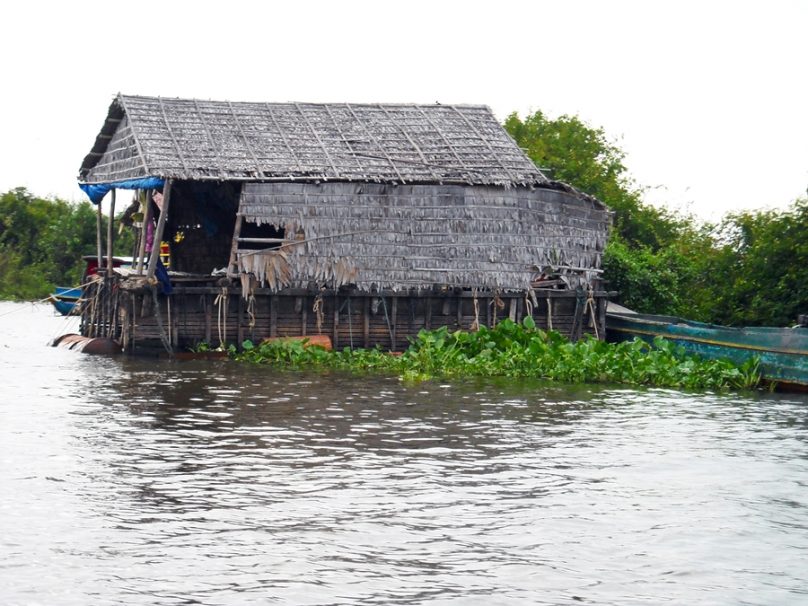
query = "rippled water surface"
{"x": 130, "y": 481}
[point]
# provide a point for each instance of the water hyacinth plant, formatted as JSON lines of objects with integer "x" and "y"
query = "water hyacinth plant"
{"x": 520, "y": 350}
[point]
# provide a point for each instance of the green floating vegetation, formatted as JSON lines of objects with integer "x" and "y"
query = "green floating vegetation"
{"x": 519, "y": 350}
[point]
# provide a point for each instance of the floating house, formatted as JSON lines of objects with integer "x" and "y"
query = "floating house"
{"x": 362, "y": 222}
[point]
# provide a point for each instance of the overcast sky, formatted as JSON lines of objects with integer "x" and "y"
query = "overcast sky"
{"x": 708, "y": 99}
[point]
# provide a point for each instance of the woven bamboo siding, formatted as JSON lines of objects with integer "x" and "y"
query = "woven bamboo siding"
{"x": 392, "y": 143}
{"x": 377, "y": 236}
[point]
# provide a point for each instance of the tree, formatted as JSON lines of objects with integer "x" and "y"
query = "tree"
{"x": 764, "y": 268}
{"x": 42, "y": 242}
{"x": 582, "y": 156}
{"x": 750, "y": 269}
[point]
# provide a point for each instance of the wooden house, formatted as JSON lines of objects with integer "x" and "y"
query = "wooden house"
{"x": 363, "y": 222}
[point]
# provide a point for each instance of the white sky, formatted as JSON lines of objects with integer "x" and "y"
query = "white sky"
{"x": 708, "y": 98}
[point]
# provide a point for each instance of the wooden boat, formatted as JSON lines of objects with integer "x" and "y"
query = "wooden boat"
{"x": 65, "y": 299}
{"x": 783, "y": 352}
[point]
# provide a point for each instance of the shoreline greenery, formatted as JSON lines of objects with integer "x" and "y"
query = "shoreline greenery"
{"x": 518, "y": 351}
{"x": 42, "y": 241}
{"x": 750, "y": 268}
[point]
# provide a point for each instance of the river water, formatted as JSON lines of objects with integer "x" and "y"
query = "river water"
{"x": 129, "y": 481}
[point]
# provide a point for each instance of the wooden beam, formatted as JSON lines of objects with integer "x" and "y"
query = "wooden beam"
{"x": 366, "y": 322}
{"x": 144, "y": 228}
{"x": 110, "y": 232}
{"x": 158, "y": 233}
{"x": 393, "y": 315}
{"x": 335, "y": 327}
{"x": 273, "y": 316}
{"x": 232, "y": 265}
{"x": 98, "y": 230}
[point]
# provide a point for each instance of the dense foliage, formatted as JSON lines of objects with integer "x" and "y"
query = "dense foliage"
{"x": 750, "y": 269}
{"x": 42, "y": 242}
{"x": 519, "y": 350}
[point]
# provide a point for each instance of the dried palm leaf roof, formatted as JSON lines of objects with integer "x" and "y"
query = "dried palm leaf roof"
{"x": 386, "y": 143}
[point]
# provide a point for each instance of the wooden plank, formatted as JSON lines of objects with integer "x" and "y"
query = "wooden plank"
{"x": 232, "y": 265}
{"x": 98, "y": 234}
{"x": 208, "y": 301}
{"x": 174, "y": 322}
{"x": 110, "y": 231}
{"x": 393, "y": 314}
{"x": 304, "y": 315}
{"x": 366, "y": 322}
{"x": 273, "y": 316}
{"x": 240, "y": 321}
{"x": 335, "y": 326}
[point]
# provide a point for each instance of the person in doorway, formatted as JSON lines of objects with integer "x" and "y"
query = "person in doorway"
{"x": 156, "y": 208}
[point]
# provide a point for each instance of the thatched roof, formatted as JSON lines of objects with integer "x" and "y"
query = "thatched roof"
{"x": 385, "y": 143}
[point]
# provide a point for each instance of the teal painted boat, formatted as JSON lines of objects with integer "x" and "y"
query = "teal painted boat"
{"x": 783, "y": 352}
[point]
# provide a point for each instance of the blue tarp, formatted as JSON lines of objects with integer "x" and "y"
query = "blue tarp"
{"x": 97, "y": 191}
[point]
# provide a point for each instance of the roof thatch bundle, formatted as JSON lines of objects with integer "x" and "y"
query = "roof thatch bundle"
{"x": 221, "y": 140}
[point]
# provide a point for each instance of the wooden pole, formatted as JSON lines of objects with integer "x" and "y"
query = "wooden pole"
{"x": 158, "y": 233}
{"x": 106, "y": 321}
{"x": 232, "y": 264}
{"x": 110, "y": 233}
{"x": 146, "y": 221}
{"x": 98, "y": 235}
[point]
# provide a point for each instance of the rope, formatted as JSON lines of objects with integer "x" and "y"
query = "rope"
{"x": 350, "y": 320}
{"x": 45, "y": 300}
{"x": 163, "y": 337}
{"x": 496, "y": 303}
{"x": 251, "y": 311}
{"x": 221, "y": 302}
{"x": 389, "y": 328}
{"x": 95, "y": 303}
{"x": 528, "y": 304}
{"x": 317, "y": 308}
{"x": 590, "y": 303}
{"x": 476, "y": 324}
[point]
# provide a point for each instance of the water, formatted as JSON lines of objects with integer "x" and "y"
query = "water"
{"x": 141, "y": 482}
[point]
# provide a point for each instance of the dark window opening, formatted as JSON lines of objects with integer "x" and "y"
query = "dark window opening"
{"x": 260, "y": 237}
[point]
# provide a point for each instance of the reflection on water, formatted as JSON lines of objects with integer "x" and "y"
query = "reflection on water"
{"x": 134, "y": 482}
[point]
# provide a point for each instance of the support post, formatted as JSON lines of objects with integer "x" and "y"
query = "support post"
{"x": 110, "y": 233}
{"x": 141, "y": 251}
{"x": 273, "y": 316}
{"x": 98, "y": 235}
{"x": 366, "y": 320}
{"x": 393, "y": 318}
{"x": 158, "y": 233}
{"x": 335, "y": 328}
{"x": 232, "y": 264}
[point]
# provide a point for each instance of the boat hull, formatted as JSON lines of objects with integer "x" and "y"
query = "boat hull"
{"x": 783, "y": 352}
{"x": 65, "y": 300}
